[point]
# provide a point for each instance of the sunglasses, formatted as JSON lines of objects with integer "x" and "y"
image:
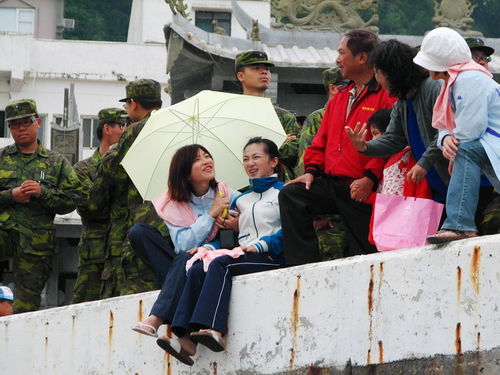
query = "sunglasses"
{"x": 486, "y": 59}
{"x": 26, "y": 123}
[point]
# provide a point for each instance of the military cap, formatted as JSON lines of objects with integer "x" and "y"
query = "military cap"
{"x": 332, "y": 76}
{"x": 251, "y": 58}
{"x": 476, "y": 43}
{"x": 143, "y": 89}
{"x": 19, "y": 109}
{"x": 112, "y": 116}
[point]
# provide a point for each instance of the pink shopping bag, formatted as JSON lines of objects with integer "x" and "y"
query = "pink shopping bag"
{"x": 404, "y": 222}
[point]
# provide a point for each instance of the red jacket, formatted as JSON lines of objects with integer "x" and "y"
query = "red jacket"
{"x": 332, "y": 151}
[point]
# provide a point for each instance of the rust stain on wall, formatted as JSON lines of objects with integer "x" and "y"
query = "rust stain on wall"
{"x": 458, "y": 339}
{"x": 369, "y": 357}
{"x": 214, "y": 367}
{"x": 478, "y": 344}
{"x": 370, "y": 292}
{"x": 110, "y": 329}
{"x": 168, "y": 364}
{"x": 380, "y": 352}
{"x": 380, "y": 277}
{"x": 139, "y": 314}
{"x": 295, "y": 320}
{"x": 474, "y": 268}
{"x": 459, "y": 284}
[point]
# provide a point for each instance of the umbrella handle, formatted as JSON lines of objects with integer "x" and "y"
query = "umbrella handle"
{"x": 224, "y": 213}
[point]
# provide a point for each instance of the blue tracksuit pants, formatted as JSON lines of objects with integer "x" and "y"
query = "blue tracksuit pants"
{"x": 205, "y": 299}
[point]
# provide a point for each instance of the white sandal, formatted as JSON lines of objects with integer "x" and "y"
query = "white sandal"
{"x": 145, "y": 329}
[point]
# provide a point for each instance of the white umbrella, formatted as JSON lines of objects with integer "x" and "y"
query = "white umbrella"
{"x": 221, "y": 122}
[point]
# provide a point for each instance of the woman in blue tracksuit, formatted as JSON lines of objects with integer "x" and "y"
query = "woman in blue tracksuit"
{"x": 203, "y": 309}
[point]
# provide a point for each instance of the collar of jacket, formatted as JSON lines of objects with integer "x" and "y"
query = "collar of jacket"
{"x": 261, "y": 184}
{"x": 42, "y": 151}
{"x": 372, "y": 86}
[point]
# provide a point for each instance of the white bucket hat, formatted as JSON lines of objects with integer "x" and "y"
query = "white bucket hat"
{"x": 441, "y": 49}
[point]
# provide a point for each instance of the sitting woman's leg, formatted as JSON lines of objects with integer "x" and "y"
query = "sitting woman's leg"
{"x": 211, "y": 310}
{"x": 164, "y": 307}
{"x": 152, "y": 248}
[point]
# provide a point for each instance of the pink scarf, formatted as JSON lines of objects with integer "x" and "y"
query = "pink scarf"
{"x": 179, "y": 213}
{"x": 207, "y": 256}
{"x": 443, "y": 116}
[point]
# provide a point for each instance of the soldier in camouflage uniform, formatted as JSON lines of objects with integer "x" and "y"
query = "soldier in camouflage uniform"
{"x": 95, "y": 224}
{"x": 35, "y": 184}
{"x": 329, "y": 228}
{"x": 252, "y": 71}
{"x": 124, "y": 272}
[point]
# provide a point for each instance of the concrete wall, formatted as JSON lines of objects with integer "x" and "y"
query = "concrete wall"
{"x": 437, "y": 307}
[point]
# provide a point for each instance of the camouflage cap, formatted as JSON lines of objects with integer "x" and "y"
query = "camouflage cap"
{"x": 112, "y": 116}
{"x": 251, "y": 58}
{"x": 332, "y": 76}
{"x": 476, "y": 43}
{"x": 19, "y": 109}
{"x": 145, "y": 89}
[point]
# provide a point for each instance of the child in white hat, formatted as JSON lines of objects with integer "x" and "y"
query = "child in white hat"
{"x": 6, "y": 301}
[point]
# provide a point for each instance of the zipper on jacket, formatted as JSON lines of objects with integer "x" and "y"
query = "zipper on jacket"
{"x": 253, "y": 216}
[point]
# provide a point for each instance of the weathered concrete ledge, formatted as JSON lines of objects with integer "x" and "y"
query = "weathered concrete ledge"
{"x": 420, "y": 311}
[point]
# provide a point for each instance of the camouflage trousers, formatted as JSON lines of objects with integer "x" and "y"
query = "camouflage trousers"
{"x": 88, "y": 284}
{"x": 491, "y": 218}
{"x": 91, "y": 254}
{"x": 332, "y": 241}
{"x": 31, "y": 271}
{"x": 126, "y": 274}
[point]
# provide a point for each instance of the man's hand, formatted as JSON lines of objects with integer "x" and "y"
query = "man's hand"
{"x": 358, "y": 136}
{"x": 450, "y": 147}
{"x": 361, "y": 189}
{"x": 306, "y": 178}
{"x": 19, "y": 196}
{"x": 325, "y": 222}
{"x": 31, "y": 188}
{"x": 416, "y": 174}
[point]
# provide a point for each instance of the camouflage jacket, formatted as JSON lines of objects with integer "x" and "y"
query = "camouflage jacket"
{"x": 306, "y": 135}
{"x": 95, "y": 222}
{"x": 289, "y": 149}
{"x": 114, "y": 187}
{"x": 60, "y": 193}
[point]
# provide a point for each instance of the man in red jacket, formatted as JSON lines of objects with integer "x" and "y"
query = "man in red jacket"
{"x": 337, "y": 178}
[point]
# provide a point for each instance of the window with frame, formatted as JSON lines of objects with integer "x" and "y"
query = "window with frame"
{"x": 17, "y": 20}
{"x": 90, "y": 125}
{"x": 204, "y": 20}
{"x": 3, "y": 125}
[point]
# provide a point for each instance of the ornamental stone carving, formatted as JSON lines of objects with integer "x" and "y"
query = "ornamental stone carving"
{"x": 457, "y": 15}
{"x": 324, "y": 15}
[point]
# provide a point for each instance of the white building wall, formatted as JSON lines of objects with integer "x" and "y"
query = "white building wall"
{"x": 149, "y": 16}
{"x": 41, "y": 69}
{"x": 373, "y": 309}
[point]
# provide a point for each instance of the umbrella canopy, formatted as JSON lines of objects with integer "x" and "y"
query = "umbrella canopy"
{"x": 221, "y": 122}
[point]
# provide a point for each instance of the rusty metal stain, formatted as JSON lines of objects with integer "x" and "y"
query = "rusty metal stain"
{"x": 110, "y": 331}
{"x": 458, "y": 339}
{"x": 474, "y": 268}
{"x": 459, "y": 284}
{"x": 370, "y": 292}
{"x": 380, "y": 277}
{"x": 295, "y": 320}
{"x": 369, "y": 357}
{"x": 46, "y": 341}
{"x": 214, "y": 367}
{"x": 380, "y": 352}
{"x": 139, "y": 315}
{"x": 168, "y": 363}
{"x": 478, "y": 346}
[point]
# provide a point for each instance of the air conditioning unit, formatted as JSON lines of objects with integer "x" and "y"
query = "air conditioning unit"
{"x": 69, "y": 23}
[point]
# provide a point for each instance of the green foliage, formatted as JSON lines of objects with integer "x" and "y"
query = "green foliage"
{"x": 403, "y": 17}
{"x": 98, "y": 20}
